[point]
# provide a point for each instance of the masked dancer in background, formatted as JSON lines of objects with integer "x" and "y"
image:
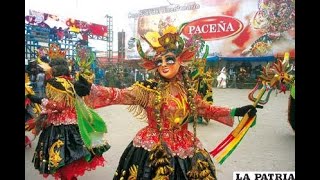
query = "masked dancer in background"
{"x": 203, "y": 82}
{"x": 72, "y": 138}
{"x": 32, "y": 110}
{"x": 165, "y": 148}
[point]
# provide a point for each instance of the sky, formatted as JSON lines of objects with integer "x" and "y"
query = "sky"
{"x": 95, "y": 11}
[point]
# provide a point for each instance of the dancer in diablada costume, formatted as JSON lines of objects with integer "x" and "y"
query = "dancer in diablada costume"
{"x": 165, "y": 148}
{"x": 72, "y": 138}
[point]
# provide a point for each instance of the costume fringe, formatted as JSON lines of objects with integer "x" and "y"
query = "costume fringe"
{"x": 138, "y": 112}
{"x": 59, "y": 95}
{"x": 142, "y": 94}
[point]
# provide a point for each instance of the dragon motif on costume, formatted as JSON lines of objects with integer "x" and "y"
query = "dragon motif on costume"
{"x": 54, "y": 155}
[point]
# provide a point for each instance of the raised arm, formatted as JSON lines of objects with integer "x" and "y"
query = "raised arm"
{"x": 221, "y": 114}
{"x": 101, "y": 96}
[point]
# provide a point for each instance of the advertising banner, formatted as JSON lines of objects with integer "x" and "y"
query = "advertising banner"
{"x": 231, "y": 28}
{"x": 73, "y": 25}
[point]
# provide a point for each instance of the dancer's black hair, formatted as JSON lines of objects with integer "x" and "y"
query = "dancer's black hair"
{"x": 59, "y": 67}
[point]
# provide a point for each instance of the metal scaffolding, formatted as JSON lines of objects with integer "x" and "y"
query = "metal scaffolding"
{"x": 109, "y": 38}
{"x": 41, "y": 37}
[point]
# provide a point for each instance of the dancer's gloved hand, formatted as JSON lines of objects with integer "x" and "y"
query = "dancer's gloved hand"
{"x": 250, "y": 109}
{"x": 82, "y": 86}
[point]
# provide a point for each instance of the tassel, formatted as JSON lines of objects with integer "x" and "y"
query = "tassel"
{"x": 222, "y": 145}
{"x": 235, "y": 141}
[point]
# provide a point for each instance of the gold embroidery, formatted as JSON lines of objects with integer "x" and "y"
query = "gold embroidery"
{"x": 201, "y": 169}
{"x": 178, "y": 117}
{"x": 133, "y": 172}
{"x": 54, "y": 156}
{"x": 160, "y": 160}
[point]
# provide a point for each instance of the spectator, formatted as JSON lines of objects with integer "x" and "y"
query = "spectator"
{"x": 40, "y": 83}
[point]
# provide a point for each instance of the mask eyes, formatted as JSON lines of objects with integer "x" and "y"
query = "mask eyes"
{"x": 158, "y": 62}
{"x": 170, "y": 60}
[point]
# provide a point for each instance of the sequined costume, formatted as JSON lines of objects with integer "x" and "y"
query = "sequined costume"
{"x": 141, "y": 97}
{"x": 165, "y": 148}
{"x": 61, "y": 150}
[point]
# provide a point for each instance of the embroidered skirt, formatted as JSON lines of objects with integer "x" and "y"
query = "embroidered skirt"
{"x": 135, "y": 164}
{"x": 61, "y": 151}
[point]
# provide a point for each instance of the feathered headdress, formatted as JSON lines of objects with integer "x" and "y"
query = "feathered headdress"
{"x": 84, "y": 59}
{"x": 167, "y": 40}
{"x": 55, "y": 52}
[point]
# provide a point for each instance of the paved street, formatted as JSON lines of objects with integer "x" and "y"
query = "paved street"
{"x": 268, "y": 146}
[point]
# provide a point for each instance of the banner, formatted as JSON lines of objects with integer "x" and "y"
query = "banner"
{"x": 231, "y": 28}
{"x": 70, "y": 24}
